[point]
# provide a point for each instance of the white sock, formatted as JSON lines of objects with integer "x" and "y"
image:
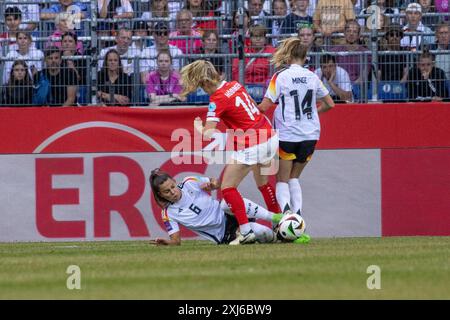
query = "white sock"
{"x": 283, "y": 195}
{"x": 296, "y": 195}
{"x": 263, "y": 234}
{"x": 256, "y": 211}
{"x": 245, "y": 228}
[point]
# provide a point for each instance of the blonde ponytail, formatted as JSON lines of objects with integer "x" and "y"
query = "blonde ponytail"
{"x": 199, "y": 73}
{"x": 288, "y": 50}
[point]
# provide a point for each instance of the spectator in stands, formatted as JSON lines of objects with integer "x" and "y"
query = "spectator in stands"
{"x": 114, "y": 85}
{"x": 279, "y": 8}
{"x": 13, "y": 19}
{"x": 32, "y": 56}
{"x": 257, "y": 69}
{"x": 335, "y": 79}
{"x": 425, "y": 81}
{"x": 126, "y": 51}
{"x": 199, "y": 9}
{"x": 70, "y": 51}
{"x": 306, "y": 35}
{"x": 331, "y": 16}
{"x": 161, "y": 38}
{"x": 233, "y": 44}
{"x": 393, "y": 66}
{"x": 68, "y": 6}
{"x": 163, "y": 85}
{"x": 210, "y": 41}
{"x": 63, "y": 81}
{"x": 175, "y": 6}
{"x": 112, "y": 9}
{"x": 257, "y": 14}
{"x": 443, "y": 44}
{"x": 428, "y": 7}
{"x": 416, "y": 33}
{"x": 63, "y": 26}
{"x": 30, "y": 13}
{"x": 158, "y": 9}
{"x": 383, "y": 20}
{"x": 18, "y": 91}
{"x": 184, "y": 24}
{"x": 443, "y": 6}
{"x": 140, "y": 30}
{"x": 357, "y": 65}
{"x": 297, "y": 18}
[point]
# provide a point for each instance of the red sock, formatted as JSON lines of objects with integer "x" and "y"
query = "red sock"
{"x": 234, "y": 200}
{"x": 268, "y": 193}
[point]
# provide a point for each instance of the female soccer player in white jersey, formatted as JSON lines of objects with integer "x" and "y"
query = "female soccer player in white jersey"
{"x": 189, "y": 204}
{"x": 296, "y": 118}
{"x": 230, "y": 103}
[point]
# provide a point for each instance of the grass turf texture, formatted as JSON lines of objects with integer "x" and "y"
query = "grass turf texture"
{"x": 411, "y": 268}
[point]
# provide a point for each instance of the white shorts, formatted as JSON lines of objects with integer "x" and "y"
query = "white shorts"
{"x": 261, "y": 153}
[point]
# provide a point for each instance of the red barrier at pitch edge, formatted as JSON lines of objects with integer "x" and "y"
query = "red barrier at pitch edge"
{"x": 415, "y": 197}
{"x": 73, "y": 129}
{"x": 378, "y": 126}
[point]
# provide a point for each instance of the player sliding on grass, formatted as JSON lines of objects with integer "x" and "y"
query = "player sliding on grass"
{"x": 296, "y": 118}
{"x": 230, "y": 103}
{"x": 190, "y": 205}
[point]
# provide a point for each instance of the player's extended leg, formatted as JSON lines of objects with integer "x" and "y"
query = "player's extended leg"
{"x": 232, "y": 177}
{"x": 263, "y": 234}
{"x": 283, "y": 194}
{"x": 266, "y": 188}
{"x": 295, "y": 188}
{"x": 255, "y": 211}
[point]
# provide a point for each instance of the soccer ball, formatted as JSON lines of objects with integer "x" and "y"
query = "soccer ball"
{"x": 291, "y": 227}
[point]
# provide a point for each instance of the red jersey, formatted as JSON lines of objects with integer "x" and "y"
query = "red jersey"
{"x": 232, "y": 104}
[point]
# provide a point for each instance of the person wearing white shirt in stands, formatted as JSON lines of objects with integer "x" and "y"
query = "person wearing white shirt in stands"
{"x": 414, "y": 25}
{"x": 30, "y": 13}
{"x": 32, "y": 56}
{"x": 148, "y": 55}
{"x": 335, "y": 79}
{"x": 126, "y": 51}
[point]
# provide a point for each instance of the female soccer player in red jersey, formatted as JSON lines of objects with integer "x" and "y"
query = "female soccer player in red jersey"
{"x": 253, "y": 150}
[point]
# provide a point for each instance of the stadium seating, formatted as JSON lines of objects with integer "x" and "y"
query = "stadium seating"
{"x": 358, "y": 92}
{"x": 392, "y": 91}
{"x": 256, "y": 91}
{"x": 198, "y": 97}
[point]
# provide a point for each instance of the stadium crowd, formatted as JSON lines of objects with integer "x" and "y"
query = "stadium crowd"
{"x": 130, "y": 52}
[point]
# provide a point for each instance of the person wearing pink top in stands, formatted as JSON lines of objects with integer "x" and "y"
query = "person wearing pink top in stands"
{"x": 184, "y": 28}
{"x": 163, "y": 85}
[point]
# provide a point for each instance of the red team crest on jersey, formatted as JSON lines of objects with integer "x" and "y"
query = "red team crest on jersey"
{"x": 232, "y": 104}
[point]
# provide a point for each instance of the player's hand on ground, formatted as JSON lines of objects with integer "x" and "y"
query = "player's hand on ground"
{"x": 159, "y": 242}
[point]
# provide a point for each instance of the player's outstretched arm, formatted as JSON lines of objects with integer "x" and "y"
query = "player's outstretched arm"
{"x": 175, "y": 240}
{"x": 207, "y": 130}
{"x": 265, "y": 105}
{"x": 326, "y": 104}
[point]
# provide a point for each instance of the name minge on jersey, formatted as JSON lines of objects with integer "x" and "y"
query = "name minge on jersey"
{"x": 299, "y": 80}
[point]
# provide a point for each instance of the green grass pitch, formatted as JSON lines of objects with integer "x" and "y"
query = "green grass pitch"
{"x": 411, "y": 268}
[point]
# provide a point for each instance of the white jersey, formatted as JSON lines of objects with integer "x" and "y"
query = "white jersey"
{"x": 296, "y": 90}
{"x": 196, "y": 210}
